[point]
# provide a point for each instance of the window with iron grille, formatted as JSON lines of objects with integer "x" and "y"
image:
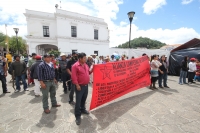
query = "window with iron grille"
{"x": 46, "y": 31}
{"x": 73, "y": 31}
{"x": 96, "y": 34}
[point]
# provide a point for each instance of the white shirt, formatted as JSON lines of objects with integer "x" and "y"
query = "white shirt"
{"x": 100, "y": 61}
{"x": 96, "y": 61}
{"x": 192, "y": 67}
{"x": 112, "y": 60}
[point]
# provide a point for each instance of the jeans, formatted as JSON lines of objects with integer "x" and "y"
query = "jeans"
{"x": 81, "y": 97}
{"x": 197, "y": 78}
{"x": 3, "y": 82}
{"x": 50, "y": 87}
{"x": 183, "y": 75}
{"x": 191, "y": 76}
{"x": 71, "y": 94}
{"x": 162, "y": 78}
{"x": 23, "y": 78}
{"x": 66, "y": 77}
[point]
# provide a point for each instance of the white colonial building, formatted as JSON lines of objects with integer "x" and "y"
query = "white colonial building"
{"x": 66, "y": 31}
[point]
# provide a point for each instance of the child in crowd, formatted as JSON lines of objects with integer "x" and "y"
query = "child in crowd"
{"x": 197, "y": 74}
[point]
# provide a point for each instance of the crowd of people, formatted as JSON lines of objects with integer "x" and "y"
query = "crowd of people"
{"x": 75, "y": 72}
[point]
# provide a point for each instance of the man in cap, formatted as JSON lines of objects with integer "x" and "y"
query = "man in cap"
{"x": 31, "y": 61}
{"x": 3, "y": 74}
{"x": 19, "y": 68}
{"x": 112, "y": 58}
{"x": 192, "y": 70}
{"x": 96, "y": 61}
{"x": 63, "y": 67}
{"x": 70, "y": 63}
{"x": 46, "y": 77}
{"x": 34, "y": 72}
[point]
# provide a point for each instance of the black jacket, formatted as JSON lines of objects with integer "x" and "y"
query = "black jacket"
{"x": 162, "y": 68}
{"x": 34, "y": 69}
{"x": 184, "y": 65}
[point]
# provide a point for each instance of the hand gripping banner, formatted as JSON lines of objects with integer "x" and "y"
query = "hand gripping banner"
{"x": 113, "y": 80}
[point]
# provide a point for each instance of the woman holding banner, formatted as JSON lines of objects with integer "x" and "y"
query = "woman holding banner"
{"x": 155, "y": 64}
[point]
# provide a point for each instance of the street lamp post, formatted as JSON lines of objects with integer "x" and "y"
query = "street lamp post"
{"x": 130, "y": 15}
{"x": 16, "y": 31}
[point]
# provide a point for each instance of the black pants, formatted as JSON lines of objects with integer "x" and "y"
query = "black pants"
{"x": 3, "y": 81}
{"x": 66, "y": 77}
{"x": 191, "y": 76}
{"x": 56, "y": 74}
{"x": 71, "y": 94}
{"x": 81, "y": 97}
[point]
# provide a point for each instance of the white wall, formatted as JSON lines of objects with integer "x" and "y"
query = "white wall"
{"x": 83, "y": 46}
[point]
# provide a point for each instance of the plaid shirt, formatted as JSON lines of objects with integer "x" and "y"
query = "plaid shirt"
{"x": 45, "y": 72}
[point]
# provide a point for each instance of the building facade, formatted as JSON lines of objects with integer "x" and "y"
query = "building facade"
{"x": 67, "y": 32}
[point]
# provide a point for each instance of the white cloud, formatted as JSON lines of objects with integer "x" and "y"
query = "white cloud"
{"x": 151, "y": 6}
{"x": 122, "y": 23}
{"x": 106, "y": 9}
{"x": 186, "y": 2}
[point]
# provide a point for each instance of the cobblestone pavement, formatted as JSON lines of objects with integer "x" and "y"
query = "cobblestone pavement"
{"x": 174, "y": 110}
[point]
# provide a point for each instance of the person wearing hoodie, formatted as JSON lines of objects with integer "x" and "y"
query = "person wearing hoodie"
{"x": 34, "y": 70}
{"x": 184, "y": 69}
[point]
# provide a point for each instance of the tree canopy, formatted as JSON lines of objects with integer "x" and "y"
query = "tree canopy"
{"x": 12, "y": 43}
{"x": 56, "y": 53}
{"x": 143, "y": 42}
{"x": 2, "y": 39}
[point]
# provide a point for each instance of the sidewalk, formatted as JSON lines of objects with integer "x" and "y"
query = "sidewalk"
{"x": 174, "y": 110}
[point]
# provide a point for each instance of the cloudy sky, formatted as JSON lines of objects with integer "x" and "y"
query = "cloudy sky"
{"x": 169, "y": 21}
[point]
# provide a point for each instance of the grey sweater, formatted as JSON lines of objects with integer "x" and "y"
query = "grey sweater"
{"x": 63, "y": 65}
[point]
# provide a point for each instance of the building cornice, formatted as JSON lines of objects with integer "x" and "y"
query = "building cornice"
{"x": 65, "y": 37}
{"x": 82, "y": 39}
{"x": 80, "y": 19}
{"x": 39, "y": 37}
{"x": 38, "y": 16}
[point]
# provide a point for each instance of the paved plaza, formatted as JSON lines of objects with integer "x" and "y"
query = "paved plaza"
{"x": 174, "y": 110}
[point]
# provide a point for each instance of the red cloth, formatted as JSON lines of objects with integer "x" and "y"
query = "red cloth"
{"x": 80, "y": 74}
{"x": 54, "y": 63}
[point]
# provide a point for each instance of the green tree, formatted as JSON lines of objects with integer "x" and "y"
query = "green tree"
{"x": 13, "y": 44}
{"x": 143, "y": 42}
{"x": 56, "y": 53}
{"x": 2, "y": 39}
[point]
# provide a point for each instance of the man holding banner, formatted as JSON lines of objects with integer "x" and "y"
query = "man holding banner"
{"x": 80, "y": 77}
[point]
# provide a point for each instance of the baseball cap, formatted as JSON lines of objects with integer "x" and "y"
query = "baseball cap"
{"x": 46, "y": 55}
{"x": 192, "y": 59}
{"x": 38, "y": 57}
{"x": 75, "y": 52}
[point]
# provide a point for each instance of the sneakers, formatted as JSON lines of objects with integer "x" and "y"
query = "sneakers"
{"x": 26, "y": 89}
{"x": 17, "y": 91}
{"x": 181, "y": 83}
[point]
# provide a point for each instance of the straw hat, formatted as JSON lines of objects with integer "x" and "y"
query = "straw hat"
{"x": 62, "y": 54}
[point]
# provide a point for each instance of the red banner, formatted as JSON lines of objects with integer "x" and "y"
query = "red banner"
{"x": 113, "y": 80}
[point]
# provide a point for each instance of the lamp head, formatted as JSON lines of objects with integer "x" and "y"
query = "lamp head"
{"x": 131, "y": 15}
{"x": 16, "y": 30}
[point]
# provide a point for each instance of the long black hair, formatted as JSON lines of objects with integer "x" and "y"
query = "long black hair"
{"x": 161, "y": 59}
